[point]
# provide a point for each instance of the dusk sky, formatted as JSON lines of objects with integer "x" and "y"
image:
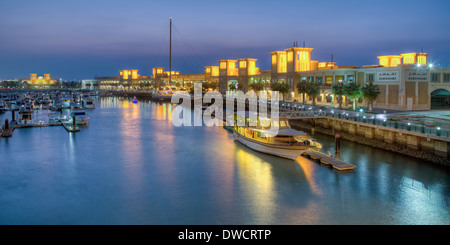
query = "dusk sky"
{"x": 83, "y": 39}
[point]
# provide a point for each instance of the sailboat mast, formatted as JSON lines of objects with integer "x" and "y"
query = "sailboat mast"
{"x": 170, "y": 56}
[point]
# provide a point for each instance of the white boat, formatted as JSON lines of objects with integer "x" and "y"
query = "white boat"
{"x": 25, "y": 117}
{"x": 162, "y": 96}
{"x": 88, "y": 103}
{"x": 287, "y": 143}
{"x": 54, "y": 118}
{"x": 66, "y": 102}
{"x": 2, "y": 107}
{"x": 81, "y": 117}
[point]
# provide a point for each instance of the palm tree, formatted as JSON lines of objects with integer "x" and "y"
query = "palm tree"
{"x": 338, "y": 91}
{"x": 314, "y": 90}
{"x": 232, "y": 86}
{"x": 302, "y": 88}
{"x": 353, "y": 92}
{"x": 177, "y": 84}
{"x": 257, "y": 86}
{"x": 281, "y": 87}
{"x": 370, "y": 93}
{"x": 213, "y": 85}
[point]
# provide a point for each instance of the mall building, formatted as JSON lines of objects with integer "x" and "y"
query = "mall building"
{"x": 406, "y": 81}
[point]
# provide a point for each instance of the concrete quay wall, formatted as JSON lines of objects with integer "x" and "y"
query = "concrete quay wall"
{"x": 430, "y": 148}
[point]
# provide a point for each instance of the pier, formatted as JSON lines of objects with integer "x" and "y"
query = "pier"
{"x": 70, "y": 128}
{"x": 334, "y": 162}
{"x": 8, "y": 128}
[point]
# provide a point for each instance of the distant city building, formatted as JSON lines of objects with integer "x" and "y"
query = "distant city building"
{"x": 89, "y": 84}
{"x": 406, "y": 81}
{"x": 36, "y": 80}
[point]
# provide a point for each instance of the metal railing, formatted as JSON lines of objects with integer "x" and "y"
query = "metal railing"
{"x": 369, "y": 118}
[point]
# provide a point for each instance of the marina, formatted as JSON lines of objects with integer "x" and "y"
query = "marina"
{"x": 135, "y": 179}
{"x": 71, "y": 111}
{"x": 214, "y": 114}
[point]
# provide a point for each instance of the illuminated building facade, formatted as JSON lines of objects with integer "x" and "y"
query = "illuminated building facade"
{"x": 127, "y": 79}
{"x": 36, "y": 80}
{"x": 406, "y": 81}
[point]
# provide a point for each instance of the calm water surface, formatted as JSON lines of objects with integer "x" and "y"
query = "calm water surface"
{"x": 132, "y": 166}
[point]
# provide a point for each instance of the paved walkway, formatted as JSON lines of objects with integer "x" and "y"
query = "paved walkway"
{"x": 442, "y": 115}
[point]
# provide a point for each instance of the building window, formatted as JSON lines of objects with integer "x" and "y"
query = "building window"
{"x": 422, "y": 60}
{"x": 370, "y": 77}
{"x": 282, "y": 68}
{"x": 446, "y": 77}
{"x": 408, "y": 59}
{"x": 350, "y": 78}
{"x": 435, "y": 77}
{"x": 319, "y": 80}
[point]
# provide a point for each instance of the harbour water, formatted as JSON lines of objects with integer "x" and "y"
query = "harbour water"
{"x": 130, "y": 165}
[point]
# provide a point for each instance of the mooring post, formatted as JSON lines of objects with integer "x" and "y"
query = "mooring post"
{"x": 74, "y": 119}
{"x": 313, "y": 126}
{"x": 13, "y": 115}
{"x": 337, "y": 146}
{"x": 6, "y": 124}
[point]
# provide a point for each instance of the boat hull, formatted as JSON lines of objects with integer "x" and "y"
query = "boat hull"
{"x": 162, "y": 97}
{"x": 289, "y": 152}
{"x": 82, "y": 121}
{"x": 24, "y": 123}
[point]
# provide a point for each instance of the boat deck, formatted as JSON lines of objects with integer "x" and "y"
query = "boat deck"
{"x": 336, "y": 163}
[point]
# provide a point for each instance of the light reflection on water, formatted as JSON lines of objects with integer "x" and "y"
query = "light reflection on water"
{"x": 132, "y": 166}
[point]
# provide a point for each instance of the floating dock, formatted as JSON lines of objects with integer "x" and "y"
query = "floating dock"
{"x": 70, "y": 127}
{"x": 8, "y": 131}
{"x": 336, "y": 163}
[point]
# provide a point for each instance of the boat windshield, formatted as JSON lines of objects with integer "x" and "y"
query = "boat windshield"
{"x": 81, "y": 113}
{"x": 303, "y": 139}
{"x": 261, "y": 122}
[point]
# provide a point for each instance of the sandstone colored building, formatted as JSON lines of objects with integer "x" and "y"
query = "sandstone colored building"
{"x": 406, "y": 81}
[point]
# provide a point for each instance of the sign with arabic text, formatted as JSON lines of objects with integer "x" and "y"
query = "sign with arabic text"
{"x": 387, "y": 76}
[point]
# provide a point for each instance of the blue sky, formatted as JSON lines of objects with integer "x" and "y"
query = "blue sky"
{"x": 82, "y": 39}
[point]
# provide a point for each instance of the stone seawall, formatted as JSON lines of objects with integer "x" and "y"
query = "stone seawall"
{"x": 424, "y": 147}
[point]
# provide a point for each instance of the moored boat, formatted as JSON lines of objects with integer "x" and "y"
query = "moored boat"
{"x": 66, "y": 102}
{"x": 81, "y": 116}
{"x": 284, "y": 142}
{"x": 88, "y": 103}
{"x": 25, "y": 117}
{"x": 2, "y": 107}
{"x": 135, "y": 100}
{"x": 54, "y": 119}
{"x": 162, "y": 96}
